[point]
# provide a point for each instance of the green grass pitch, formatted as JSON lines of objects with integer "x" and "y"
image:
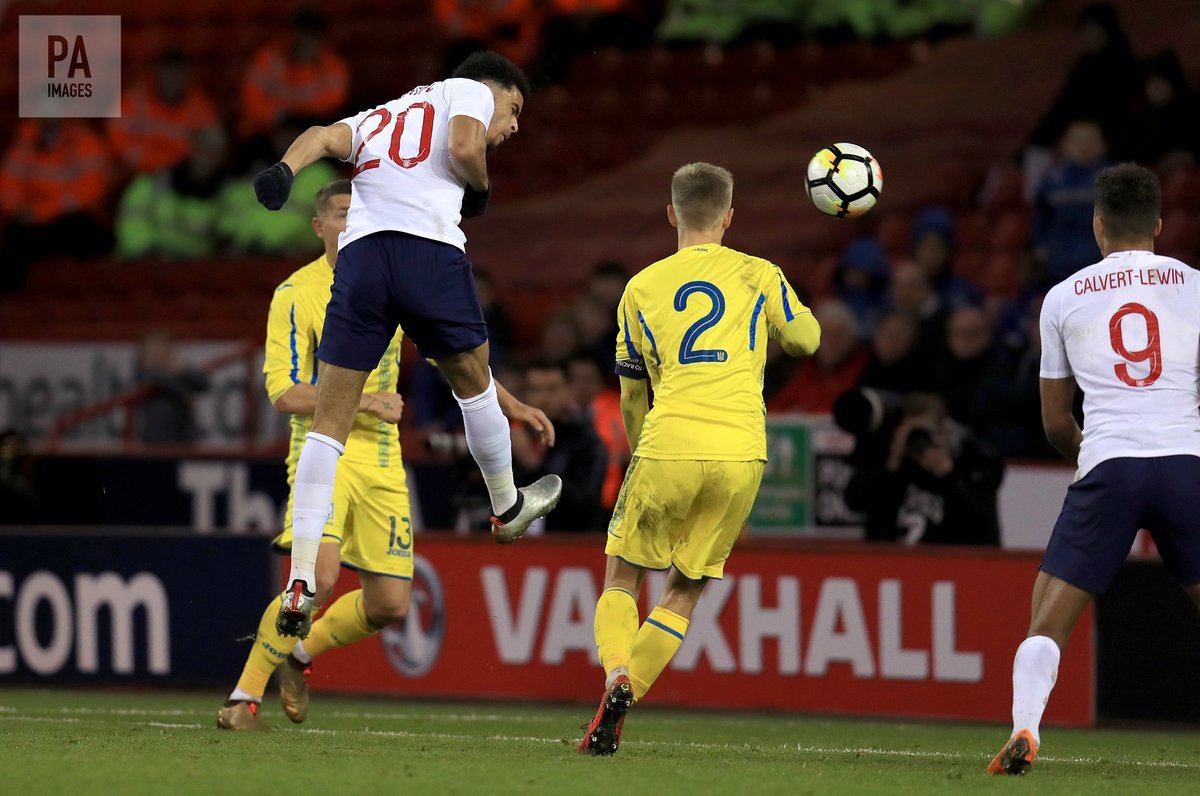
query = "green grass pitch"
{"x": 84, "y": 742}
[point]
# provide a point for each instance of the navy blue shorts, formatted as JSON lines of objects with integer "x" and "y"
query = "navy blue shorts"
{"x": 1104, "y": 510}
{"x": 390, "y": 279}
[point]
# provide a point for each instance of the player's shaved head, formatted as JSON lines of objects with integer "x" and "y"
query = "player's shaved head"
{"x": 701, "y": 194}
{"x": 1129, "y": 201}
{"x": 335, "y": 188}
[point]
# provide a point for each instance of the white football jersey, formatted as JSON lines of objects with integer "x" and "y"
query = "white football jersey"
{"x": 403, "y": 178}
{"x": 1128, "y": 330}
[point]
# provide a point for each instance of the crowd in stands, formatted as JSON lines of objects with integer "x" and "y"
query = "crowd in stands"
{"x": 164, "y": 179}
{"x": 960, "y": 362}
{"x": 168, "y": 180}
{"x": 171, "y": 179}
{"x": 915, "y": 325}
{"x": 570, "y": 377}
{"x": 723, "y": 22}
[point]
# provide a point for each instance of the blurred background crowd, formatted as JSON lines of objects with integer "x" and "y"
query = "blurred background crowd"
{"x": 929, "y": 310}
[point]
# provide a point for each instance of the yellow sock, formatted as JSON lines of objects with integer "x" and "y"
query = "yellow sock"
{"x": 616, "y": 626}
{"x": 343, "y": 623}
{"x": 657, "y": 641}
{"x": 270, "y": 650}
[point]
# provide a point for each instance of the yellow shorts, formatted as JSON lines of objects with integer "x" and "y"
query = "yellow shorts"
{"x": 685, "y": 514}
{"x": 370, "y": 519}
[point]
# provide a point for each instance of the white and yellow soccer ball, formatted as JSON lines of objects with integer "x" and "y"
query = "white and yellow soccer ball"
{"x": 844, "y": 180}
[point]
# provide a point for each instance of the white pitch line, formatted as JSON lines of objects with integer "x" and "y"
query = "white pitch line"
{"x": 168, "y": 725}
{"x": 125, "y": 712}
{"x": 845, "y": 750}
{"x": 444, "y": 736}
{"x": 10, "y": 714}
{"x": 866, "y": 750}
{"x": 341, "y": 714}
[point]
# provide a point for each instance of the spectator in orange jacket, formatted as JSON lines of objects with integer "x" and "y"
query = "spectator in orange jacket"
{"x": 160, "y": 116}
{"x": 602, "y": 402}
{"x": 298, "y": 76}
{"x": 54, "y": 182}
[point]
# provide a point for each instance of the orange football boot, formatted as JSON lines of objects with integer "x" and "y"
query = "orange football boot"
{"x": 1017, "y": 755}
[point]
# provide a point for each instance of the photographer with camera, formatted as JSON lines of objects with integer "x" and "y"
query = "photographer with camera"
{"x": 920, "y": 476}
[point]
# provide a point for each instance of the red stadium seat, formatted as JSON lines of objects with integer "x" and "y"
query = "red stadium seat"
{"x": 58, "y": 277}
{"x": 970, "y": 264}
{"x": 972, "y": 230}
{"x": 999, "y": 276}
{"x": 164, "y": 279}
{"x": 1180, "y": 236}
{"x": 20, "y": 318}
{"x": 895, "y": 233}
{"x": 753, "y": 63}
{"x": 818, "y": 280}
{"x": 1182, "y": 191}
{"x": 1004, "y": 190}
{"x": 139, "y": 47}
{"x": 1010, "y": 231}
{"x": 63, "y": 311}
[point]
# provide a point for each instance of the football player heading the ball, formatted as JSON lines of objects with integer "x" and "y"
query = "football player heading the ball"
{"x": 370, "y": 488}
{"x": 420, "y": 166}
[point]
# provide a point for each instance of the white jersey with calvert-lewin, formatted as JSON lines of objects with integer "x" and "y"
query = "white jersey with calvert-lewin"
{"x": 1128, "y": 330}
{"x": 403, "y": 178}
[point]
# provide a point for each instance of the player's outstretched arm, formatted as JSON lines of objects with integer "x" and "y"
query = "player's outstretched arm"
{"x": 273, "y": 184}
{"x": 301, "y": 399}
{"x": 788, "y": 320}
{"x": 801, "y": 336}
{"x": 333, "y": 141}
{"x": 635, "y": 404}
{"x": 1058, "y": 399}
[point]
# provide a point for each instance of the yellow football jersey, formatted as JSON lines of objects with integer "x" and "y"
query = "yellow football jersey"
{"x": 697, "y": 324}
{"x": 294, "y": 328}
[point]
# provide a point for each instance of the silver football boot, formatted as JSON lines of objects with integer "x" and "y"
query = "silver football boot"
{"x": 295, "y": 611}
{"x": 533, "y": 501}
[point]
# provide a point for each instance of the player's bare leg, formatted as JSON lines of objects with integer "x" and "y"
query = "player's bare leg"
{"x": 386, "y": 600}
{"x": 339, "y": 391}
{"x": 382, "y": 600}
{"x": 240, "y": 711}
{"x": 1057, "y": 606}
{"x": 490, "y": 443}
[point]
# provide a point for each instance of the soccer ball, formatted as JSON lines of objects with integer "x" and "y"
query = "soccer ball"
{"x": 844, "y": 180}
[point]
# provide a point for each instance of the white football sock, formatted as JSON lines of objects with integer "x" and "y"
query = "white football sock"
{"x": 611, "y": 677}
{"x": 300, "y": 654}
{"x": 311, "y": 501}
{"x": 1035, "y": 668}
{"x": 238, "y": 695}
{"x": 490, "y": 443}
